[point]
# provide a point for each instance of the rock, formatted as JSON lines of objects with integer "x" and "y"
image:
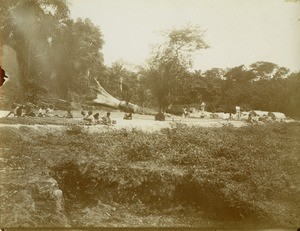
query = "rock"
{"x": 38, "y": 202}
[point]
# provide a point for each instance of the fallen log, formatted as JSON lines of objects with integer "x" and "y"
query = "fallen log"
{"x": 105, "y": 99}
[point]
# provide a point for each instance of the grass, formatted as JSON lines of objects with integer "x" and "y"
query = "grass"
{"x": 39, "y": 121}
{"x": 230, "y": 174}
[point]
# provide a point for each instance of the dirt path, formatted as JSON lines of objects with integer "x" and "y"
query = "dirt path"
{"x": 140, "y": 122}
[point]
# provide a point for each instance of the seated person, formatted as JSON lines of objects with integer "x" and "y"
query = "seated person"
{"x": 42, "y": 112}
{"x": 96, "y": 118}
{"x": 88, "y": 118}
{"x": 106, "y": 120}
{"x": 27, "y": 111}
{"x": 18, "y": 111}
{"x": 49, "y": 111}
{"x": 127, "y": 116}
{"x": 69, "y": 115}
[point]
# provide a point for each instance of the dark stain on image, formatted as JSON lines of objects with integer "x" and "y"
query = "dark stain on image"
{"x": 3, "y": 76}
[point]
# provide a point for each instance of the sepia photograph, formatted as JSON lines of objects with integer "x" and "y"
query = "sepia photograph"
{"x": 150, "y": 114}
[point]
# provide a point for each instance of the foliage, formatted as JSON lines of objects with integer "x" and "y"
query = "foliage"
{"x": 57, "y": 57}
{"x": 223, "y": 90}
{"x": 55, "y": 54}
{"x": 74, "y": 129}
{"x": 267, "y": 70}
{"x": 244, "y": 169}
{"x": 27, "y": 27}
{"x": 247, "y": 173}
{"x": 172, "y": 60}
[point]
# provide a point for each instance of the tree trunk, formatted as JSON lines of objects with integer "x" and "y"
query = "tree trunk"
{"x": 104, "y": 98}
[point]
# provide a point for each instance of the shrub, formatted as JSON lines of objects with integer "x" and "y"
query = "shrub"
{"x": 74, "y": 129}
{"x": 248, "y": 172}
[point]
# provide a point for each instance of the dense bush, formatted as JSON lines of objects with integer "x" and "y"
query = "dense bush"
{"x": 250, "y": 171}
{"x": 247, "y": 173}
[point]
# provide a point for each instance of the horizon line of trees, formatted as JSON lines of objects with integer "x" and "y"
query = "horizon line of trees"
{"x": 261, "y": 86}
{"x": 57, "y": 57}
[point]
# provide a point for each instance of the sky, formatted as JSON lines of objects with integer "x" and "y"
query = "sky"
{"x": 237, "y": 31}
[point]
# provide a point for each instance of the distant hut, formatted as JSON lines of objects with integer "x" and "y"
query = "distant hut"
{"x": 278, "y": 116}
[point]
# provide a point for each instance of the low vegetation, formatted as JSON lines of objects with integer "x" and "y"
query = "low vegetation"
{"x": 40, "y": 121}
{"x": 227, "y": 174}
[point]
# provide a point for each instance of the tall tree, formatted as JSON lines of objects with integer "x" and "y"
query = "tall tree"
{"x": 268, "y": 70}
{"x": 214, "y": 73}
{"x": 240, "y": 74}
{"x": 27, "y": 26}
{"x": 75, "y": 56}
{"x": 171, "y": 60}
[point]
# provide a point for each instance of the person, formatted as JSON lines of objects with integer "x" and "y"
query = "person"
{"x": 127, "y": 116}
{"x": 88, "y": 118}
{"x": 42, "y": 111}
{"x": 28, "y": 111}
{"x": 272, "y": 116}
{"x": 96, "y": 118}
{"x": 106, "y": 120}
{"x": 185, "y": 112}
{"x": 49, "y": 111}
{"x": 238, "y": 112}
{"x": 18, "y": 111}
{"x": 69, "y": 115}
{"x": 252, "y": 117}
{"x": 202, "y": 108}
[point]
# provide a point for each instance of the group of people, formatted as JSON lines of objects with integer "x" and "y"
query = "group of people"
{"x": 90, "y": 119}
{"x": 26, "y": 111}
{"x": 186, "y": 112}
{"x": 48, "y": 111}
{"x": 253, "y": 117}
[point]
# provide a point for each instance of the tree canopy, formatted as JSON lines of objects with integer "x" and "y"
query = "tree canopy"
{"x": 171, "y": 60}
{"x": 58, "y": 57}
{"x": 54, "y": 53}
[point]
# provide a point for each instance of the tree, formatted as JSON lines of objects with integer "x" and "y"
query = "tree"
{"x": 76, "y": 57}
{"x": 27, "y": 26}
{"x": 267, "y": 70}
{"x": 240, "y": 74}
{"x": 236, "y": 89}
{"x": 55, "y": 54}
{"x": 120, "y": 81}
{"x": 171, "y": 60}
{"x": 292, "y": 107}
{"x": 217, "y": 73}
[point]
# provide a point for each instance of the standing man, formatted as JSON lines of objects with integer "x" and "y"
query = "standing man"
{"x": 238, "y": 112}
{"x": 202, "y": 108}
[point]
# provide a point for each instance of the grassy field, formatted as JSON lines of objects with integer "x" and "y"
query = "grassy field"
{"x": 180, "y": 176}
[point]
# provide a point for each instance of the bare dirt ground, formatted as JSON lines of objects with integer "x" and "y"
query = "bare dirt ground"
{"x": 140, "y": 122}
